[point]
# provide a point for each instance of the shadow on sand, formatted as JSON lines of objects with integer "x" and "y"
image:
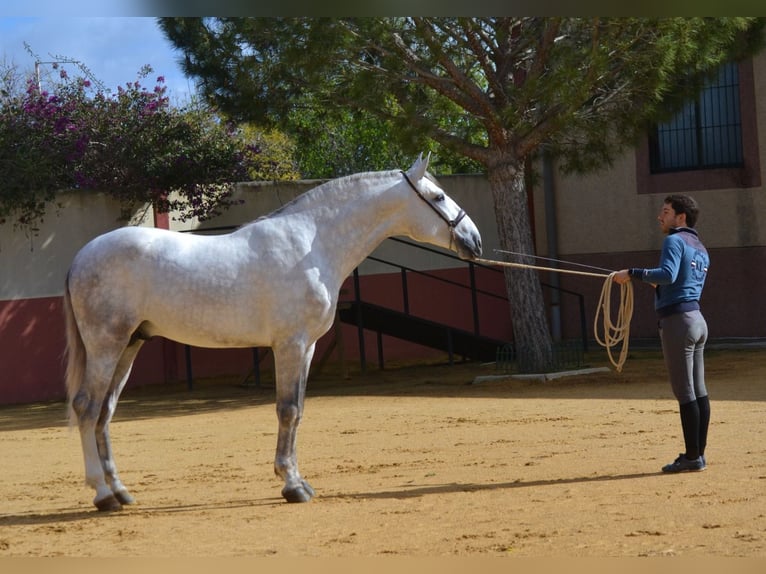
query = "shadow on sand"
{"x": 75, "y": 515}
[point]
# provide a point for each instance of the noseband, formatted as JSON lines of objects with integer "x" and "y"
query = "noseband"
{"x": 451, "y": 223}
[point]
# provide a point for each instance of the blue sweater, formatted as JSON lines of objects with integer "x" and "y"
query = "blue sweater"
{"x": 681, "y": 273}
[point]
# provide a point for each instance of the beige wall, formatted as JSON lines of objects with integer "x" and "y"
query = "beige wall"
{"x": 33, "y": 270}
{"x": 606, "y": 221}
{"x": 597, "y": 215}
{"x": 33, "y": 266}
{"x": 260, "y": 198}
{"x": 603, "y": 213}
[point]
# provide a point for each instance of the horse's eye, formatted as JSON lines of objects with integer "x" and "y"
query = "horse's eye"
{"x": 439, "y": 197}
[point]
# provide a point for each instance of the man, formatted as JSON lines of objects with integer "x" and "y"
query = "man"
{"x": 678, "y": 282}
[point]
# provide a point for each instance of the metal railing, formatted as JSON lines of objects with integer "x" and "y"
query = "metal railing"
{"x": 471, "y": 287}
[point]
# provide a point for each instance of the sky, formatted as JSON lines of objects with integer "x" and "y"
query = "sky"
{"x": 113, "y": 48}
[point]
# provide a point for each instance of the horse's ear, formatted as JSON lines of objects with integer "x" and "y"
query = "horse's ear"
{"x": 418, "y": 169}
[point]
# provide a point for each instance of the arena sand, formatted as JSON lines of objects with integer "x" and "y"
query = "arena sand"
{"x": 413, "y": 461}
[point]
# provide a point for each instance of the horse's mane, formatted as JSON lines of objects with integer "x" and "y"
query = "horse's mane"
{"x": 332, "y": 186}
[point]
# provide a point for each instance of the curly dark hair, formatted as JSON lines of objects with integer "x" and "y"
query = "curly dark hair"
{"x": 684, "y": 204}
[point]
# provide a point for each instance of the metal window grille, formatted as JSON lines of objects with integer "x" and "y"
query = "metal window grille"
{"x": 706, "y": 133}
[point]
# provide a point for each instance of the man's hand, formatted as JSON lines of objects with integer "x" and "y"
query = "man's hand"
{"x": 621, "y": 277}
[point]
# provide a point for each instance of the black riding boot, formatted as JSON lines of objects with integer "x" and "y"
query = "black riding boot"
{"x": 690, "y": 423}
{"x": 704, "y": 407}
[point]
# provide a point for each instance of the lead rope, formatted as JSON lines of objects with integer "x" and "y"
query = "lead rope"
{"x": 614, "y": 332}
{"x": 619, "y": 331}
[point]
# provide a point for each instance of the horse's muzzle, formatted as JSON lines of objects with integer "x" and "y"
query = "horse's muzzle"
{"x": 468, "y": 245}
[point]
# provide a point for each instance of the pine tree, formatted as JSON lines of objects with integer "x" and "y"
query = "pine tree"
{"x": 494, "y": 90}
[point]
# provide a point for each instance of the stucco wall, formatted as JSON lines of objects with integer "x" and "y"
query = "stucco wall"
{"x": 260, "y": 198}
{"x": 603, "y": 220}
{"x": 33, "y": 270}
{"x": 35, "y": 265}
{"x": 604, "y": 213}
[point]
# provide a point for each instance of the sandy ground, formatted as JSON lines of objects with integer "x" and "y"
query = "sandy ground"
{"x": 412, "y": 461}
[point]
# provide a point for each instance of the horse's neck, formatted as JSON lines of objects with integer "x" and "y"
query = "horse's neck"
{"x": 362, "y": 218}
{"x": 350, "y": 219}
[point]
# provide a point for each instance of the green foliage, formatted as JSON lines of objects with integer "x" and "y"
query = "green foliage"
{"x": 132, "y": 145}
{"x": 488, "y": 89}
{"x": 493, "y": 90}
{"x": 342, "y": 143}
{"x": 330, "y": 140}
{"x": 271, "y": 154}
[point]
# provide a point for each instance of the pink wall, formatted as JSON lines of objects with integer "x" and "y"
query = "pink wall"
{"x": 32, "y": 336}
{"x": 32, "y": 345}
{"x": 31, "y": 350}
{"x": 731, "y": 300}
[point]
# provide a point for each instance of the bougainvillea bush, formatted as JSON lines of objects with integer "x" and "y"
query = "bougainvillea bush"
{"x": 131, "y": 144}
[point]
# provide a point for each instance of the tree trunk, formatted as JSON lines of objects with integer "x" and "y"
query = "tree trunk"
{"x": 531, "y": 333}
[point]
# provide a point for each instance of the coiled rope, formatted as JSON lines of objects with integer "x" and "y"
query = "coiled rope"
{"x": 619, "y": 331}
{"x": 614, "y": 332}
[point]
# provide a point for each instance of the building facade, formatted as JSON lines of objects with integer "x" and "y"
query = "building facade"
{"x": 713, "y": 151}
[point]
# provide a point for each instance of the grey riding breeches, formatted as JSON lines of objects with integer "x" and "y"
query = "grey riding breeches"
{"x": 683, "y": 338}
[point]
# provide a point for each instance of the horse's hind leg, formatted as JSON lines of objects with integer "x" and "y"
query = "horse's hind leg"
{"x": 291, "y": 369}
{"x": 103, "y": 442}
{"x": 88, "y": 404}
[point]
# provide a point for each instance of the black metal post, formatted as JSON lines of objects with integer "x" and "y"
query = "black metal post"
{"x": 381, "y": 363}
{"x": 360, "y": 326}
{"x": 405, "y": 292}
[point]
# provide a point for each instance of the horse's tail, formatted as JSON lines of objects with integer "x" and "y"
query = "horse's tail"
{"x": 75, "y": 352}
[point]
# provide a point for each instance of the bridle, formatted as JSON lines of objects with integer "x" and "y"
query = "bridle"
{"x": 451, "y": 223}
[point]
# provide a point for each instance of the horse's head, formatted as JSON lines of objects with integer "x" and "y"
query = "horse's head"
{"x": 437, "y": 219}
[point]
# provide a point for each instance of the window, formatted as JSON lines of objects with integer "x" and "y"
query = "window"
{"x": 712, "y": 143}
{"x": 706, "y": 133}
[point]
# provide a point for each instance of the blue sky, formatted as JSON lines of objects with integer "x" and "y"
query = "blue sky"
{"x": 113, "y": 48}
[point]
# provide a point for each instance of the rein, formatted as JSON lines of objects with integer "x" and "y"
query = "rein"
{"x": 451, "y": 223}
{"x": 615, "y": 332}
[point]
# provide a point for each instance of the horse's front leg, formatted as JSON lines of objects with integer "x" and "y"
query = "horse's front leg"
{"x": 291, "y": 369}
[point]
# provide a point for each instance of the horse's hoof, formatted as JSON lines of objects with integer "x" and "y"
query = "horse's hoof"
{"x": 302, "y": 493}
{"x": 108, "y": 504}
{"x": 124, "y": 497}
